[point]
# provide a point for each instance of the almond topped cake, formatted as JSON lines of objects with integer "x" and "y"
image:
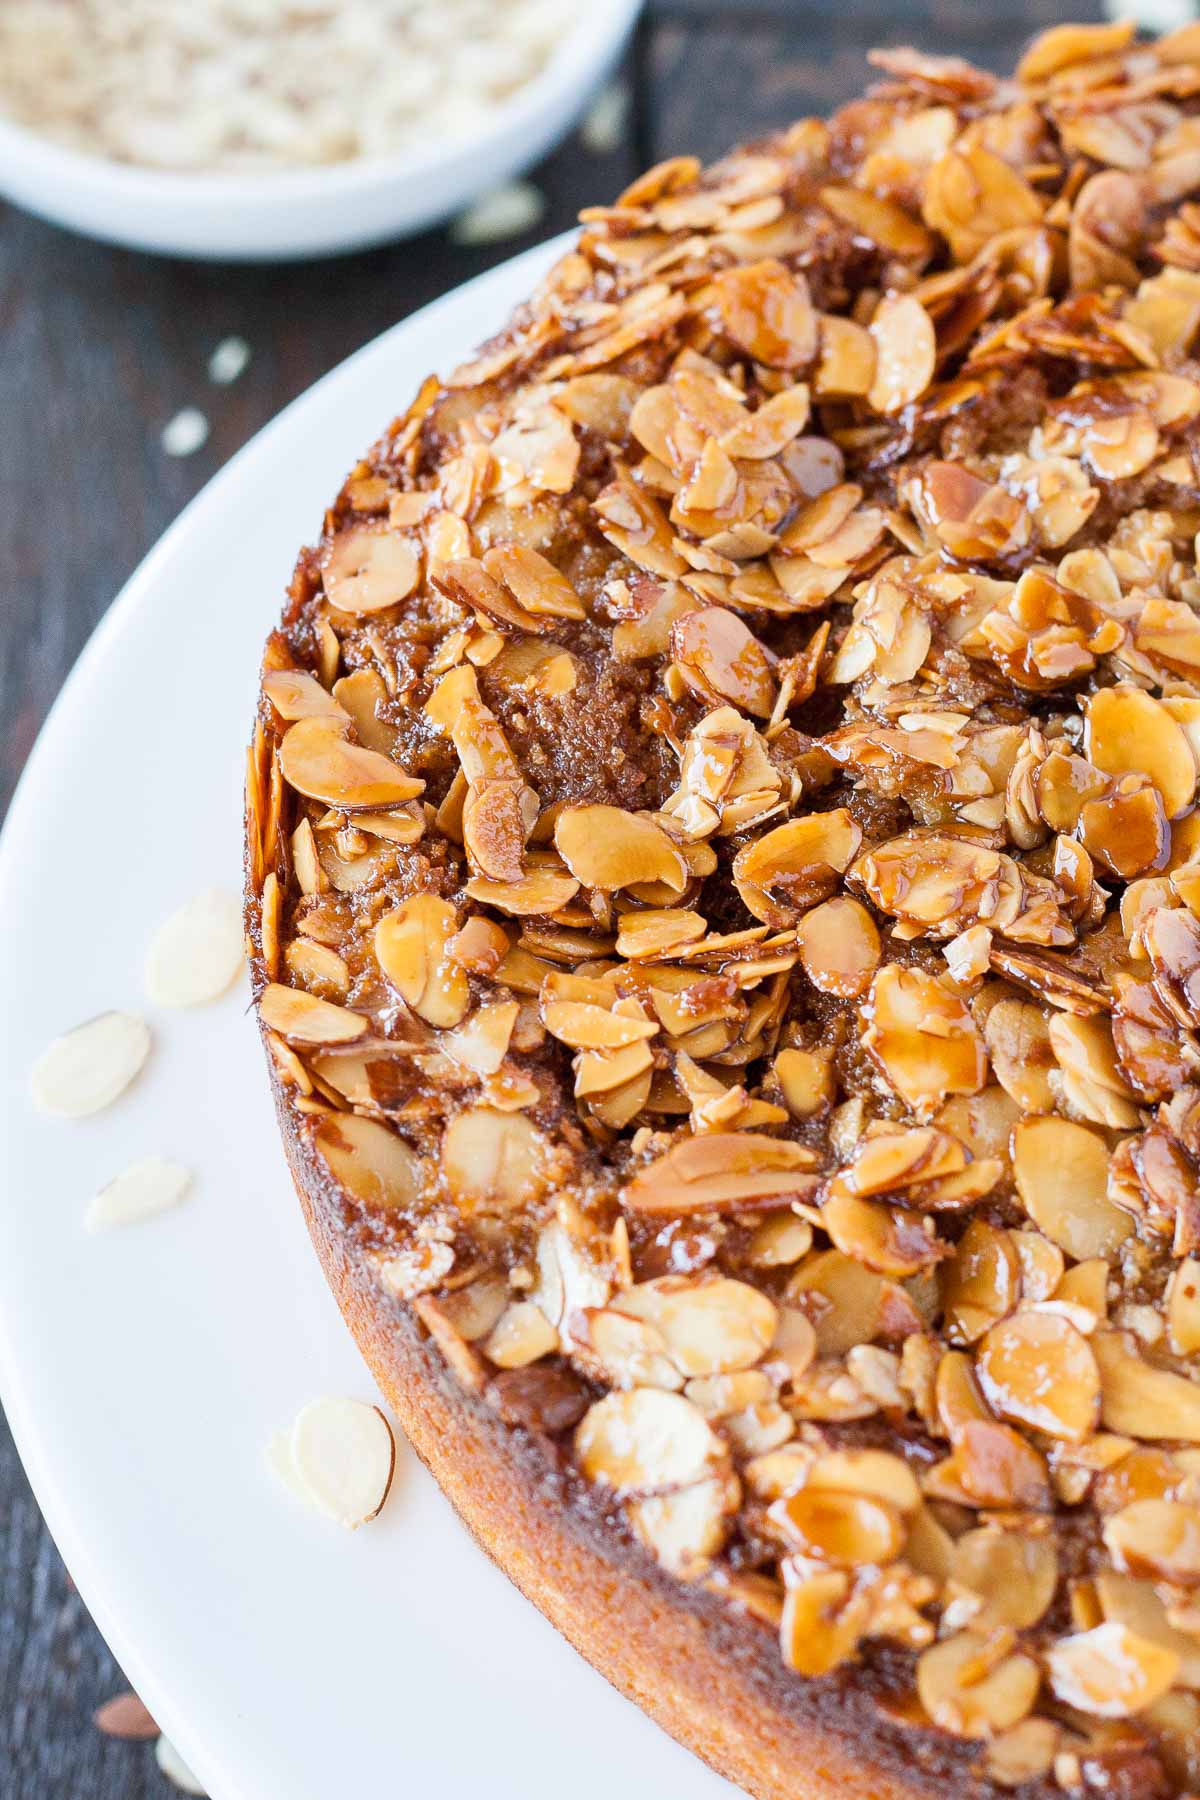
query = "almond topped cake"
{"x": 724, "y": 880}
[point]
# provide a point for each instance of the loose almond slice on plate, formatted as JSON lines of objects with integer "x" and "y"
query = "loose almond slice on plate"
{"x": 340, "y": 1457}
{"x": 196, "y": 953}
{"x": 140, "y": 1192}
{"x": 87, "y": 1069}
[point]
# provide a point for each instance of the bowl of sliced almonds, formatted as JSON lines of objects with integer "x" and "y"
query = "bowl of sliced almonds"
{"x": 188, "y": 130}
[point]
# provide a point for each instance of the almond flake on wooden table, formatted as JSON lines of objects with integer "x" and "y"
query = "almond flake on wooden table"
{"x": 339, "y": 1456}
{"x": 86, "y": 1069}
{"x": 196, "y": 953}
{"x": 174, "y": 1768}
{"x": 186, "y": 433}
{"x": 138, "y": 1193}
{"x": 125, "y": 1716}
{"x": 228, "y": 361}
{"x": 506, "y": 212}
{"x": 603, "y": 129}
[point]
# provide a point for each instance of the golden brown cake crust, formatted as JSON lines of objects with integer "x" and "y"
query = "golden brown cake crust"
{"x": 723, "y": 872}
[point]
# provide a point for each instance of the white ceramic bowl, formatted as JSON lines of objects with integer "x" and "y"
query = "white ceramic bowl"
{"x": 313, "y": 212}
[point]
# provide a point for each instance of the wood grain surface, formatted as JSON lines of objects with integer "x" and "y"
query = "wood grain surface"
{"x": 99, "y": 348}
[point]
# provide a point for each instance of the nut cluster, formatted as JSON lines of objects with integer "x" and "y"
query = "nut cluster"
{"x": 725, "y": 885}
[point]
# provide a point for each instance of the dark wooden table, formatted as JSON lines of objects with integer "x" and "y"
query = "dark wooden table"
{"x": 99, "y": 348}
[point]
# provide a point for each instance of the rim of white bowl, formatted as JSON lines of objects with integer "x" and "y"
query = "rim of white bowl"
{"x": 586, "y": 49}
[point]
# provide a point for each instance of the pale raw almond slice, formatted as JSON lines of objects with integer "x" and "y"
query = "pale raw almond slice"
{"x": 138, "y": 1193}
{"x": 1110, "y": 1671}
{"x": 343, "y": 1456}
{"x": 88, "y": 1068}
{"x": 175, "y": 1769}
{"x": 196, "y": 953}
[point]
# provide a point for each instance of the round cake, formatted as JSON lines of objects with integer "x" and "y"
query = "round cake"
{"x": 724, "y": 883}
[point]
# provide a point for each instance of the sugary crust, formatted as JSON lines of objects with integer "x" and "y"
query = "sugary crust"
{"x": 708, "y": 1676}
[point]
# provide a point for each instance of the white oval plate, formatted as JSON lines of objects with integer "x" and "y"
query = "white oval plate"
{"x": 144, "y": 1370}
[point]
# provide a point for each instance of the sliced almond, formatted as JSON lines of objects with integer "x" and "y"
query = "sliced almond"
{"x": 90, "y": 1067}
{"x": 1061, "y": 1171}
{"x": 197, "y": 953}
{"x": 366, "y": 570}
{"x": 319, "y": 762}
{"x": 850, "y": 1530}
{"x": 647, "y": 1441}
{"x": 1158, "y": 1538}
{"x": 493, "y": 1161}
{"x": 839, "y": 947}
{"x": 975, "y": 1685}
{"x": 721, "y": 1170}
{"x": 177, "y": 1772}
{"x": 370, "y": 1161}
{"x": 140, "y": 1192}
{"x": 304, "y": 1019}
{"x": 1037, "y": 1368}
{"x": 1014, "y": 1576}
{"x": 344, "y": 1456}
{"x": 1110, "y": 1672}
{"x": 710, "y": 1325}
{"x": 412, "y": 946}
{"x": 607, "y": 848}
{"x": 1143, "y": 1401}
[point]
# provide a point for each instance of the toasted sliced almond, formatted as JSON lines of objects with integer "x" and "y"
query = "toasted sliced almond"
{"x": 319, "y": 762}
{"x": 647, "y": 1441}
{"x": 1037, "y": 1368}
{"x": 1062, "y": 1177}
{"x": 1143, "y": 1401}
{"x": 88, "y": 1068}
{"x": 1013, "y": 1575}
{"x": 197, "y": 953}
{"x": 138, "y": 1193}
{"x": 371, "y": 1161}
{"x": 848, "y": 1529}
{"x": 974, "y": 1686}
{"x": 710, "y": 1325}
{"x": 344, "y": 1456}
{"x": 493, "y": 1161}
{"x": 607, "y": 848}
{"x": 1159, "y": 1538}
{"x": 304, "y": 1019}
{"x": 1110, "y": 1672}
{"x": 721, "y": 1170}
